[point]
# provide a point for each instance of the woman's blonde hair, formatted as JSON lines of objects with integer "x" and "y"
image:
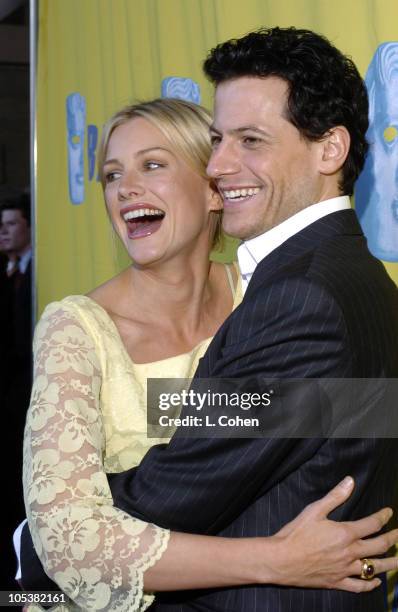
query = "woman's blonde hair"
{"x": 186, "y": 127}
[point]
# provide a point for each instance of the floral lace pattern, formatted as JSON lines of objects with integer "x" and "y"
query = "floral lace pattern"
{"x": 96, "y": 553}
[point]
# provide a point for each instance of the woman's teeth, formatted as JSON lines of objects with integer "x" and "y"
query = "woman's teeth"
{"x": 234, "y": 194}
{"x": 142, "y": 212}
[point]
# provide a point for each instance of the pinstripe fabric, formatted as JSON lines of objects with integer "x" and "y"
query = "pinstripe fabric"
{"x": 319, "y": 305}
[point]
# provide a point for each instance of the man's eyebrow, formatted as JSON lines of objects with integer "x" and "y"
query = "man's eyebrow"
{"x": 240, "y": 130}
{"x": 114, "y": 160}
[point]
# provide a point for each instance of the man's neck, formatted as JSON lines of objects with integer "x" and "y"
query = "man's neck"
{"x": 27, "y": 249}
{"x": 252, "y": 251}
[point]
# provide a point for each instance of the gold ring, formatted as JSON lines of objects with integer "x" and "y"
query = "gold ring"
{"x": 368, "y": 570}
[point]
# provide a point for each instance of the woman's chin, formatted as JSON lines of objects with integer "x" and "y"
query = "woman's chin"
{"x": 144, "y": 258}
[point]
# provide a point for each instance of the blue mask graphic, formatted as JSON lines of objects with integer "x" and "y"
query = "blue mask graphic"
{"x": 376, "y": 193}
{"x": 76, "y": 122}
{"x": 181, "y": 87}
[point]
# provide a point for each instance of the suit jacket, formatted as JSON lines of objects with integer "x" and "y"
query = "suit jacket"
{"x": 19, "y": 382}
{"x": 22, "y": 308}
{"x": 318, "y": 306}
{"x": 15, "y": 386}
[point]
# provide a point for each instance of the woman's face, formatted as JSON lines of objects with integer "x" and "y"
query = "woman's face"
{"x": 158, "y": 205}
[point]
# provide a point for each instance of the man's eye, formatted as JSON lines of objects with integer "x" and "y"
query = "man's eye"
{"x": 251, "y": 140}
{"x": 215, "y": 141}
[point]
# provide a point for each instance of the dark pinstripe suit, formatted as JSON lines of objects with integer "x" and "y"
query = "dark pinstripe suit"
{"x": 318, "y": 306}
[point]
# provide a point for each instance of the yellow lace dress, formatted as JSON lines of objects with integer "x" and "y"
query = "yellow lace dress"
{"x": 88, "y": 417}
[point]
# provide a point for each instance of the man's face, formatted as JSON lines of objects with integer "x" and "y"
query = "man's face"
{"x": 15, "y": 232}
{"x": 264, "y": 169}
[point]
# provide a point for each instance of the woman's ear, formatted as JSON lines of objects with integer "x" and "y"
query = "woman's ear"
{"x": 335, "y": 147}
{"x": 214, "y": 198}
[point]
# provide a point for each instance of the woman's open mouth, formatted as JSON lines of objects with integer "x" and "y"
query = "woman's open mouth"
{"x": 142, "y": 222}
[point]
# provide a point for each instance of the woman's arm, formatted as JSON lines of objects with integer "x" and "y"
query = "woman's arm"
{"x": 311, "y": 551}
{"x": 93, "y": 551}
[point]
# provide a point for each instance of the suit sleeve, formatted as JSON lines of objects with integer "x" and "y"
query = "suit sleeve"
{"x": 296, "y": 330}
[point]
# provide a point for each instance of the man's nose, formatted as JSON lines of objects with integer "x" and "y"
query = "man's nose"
{"x": 224, "y": 160}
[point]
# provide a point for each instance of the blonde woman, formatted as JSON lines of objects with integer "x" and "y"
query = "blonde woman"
{"x": 93, "y": 355}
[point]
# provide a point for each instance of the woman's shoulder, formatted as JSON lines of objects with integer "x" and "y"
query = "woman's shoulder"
{"x": 229, "y": 272}
{"x": 77, "y": 311}
{"x": 71, "y": 305}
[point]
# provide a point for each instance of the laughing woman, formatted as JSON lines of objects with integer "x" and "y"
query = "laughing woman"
{"x": 93, "y": 355}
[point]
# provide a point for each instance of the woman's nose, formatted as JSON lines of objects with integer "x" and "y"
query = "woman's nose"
{"x": 130, "y": 185}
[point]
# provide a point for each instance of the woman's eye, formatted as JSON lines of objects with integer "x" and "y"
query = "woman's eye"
{"x": 111, "y": 176}
{"x": 152, "y": 165}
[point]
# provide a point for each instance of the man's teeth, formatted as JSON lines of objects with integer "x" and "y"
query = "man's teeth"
{"x": 142, "y": 212}
{"x": 240, "y": 193}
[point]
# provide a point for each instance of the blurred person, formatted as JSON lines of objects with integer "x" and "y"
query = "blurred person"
{"x": 93, "y": 355}
{"x": 15, "y": 235}
{"x": 5, "y": 314}
{"x": 15, "y": 232}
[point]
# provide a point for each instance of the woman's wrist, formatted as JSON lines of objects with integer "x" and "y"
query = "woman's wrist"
{"x": 267, "y": 557}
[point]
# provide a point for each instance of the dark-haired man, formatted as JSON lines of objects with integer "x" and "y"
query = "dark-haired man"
{"x": 16, "y": 349}
{"x": 16, "y": 241}
{"x": 288, "y": 143}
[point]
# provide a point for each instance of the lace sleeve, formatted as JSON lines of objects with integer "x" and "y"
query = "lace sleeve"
{"x": 96, "y": 553}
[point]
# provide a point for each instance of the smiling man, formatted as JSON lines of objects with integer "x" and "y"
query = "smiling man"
{"x": 288, "y": 144}
{"x": 291, "y": 113}
{"x": 265, "y": 169}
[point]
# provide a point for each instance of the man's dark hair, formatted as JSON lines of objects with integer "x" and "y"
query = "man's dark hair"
{"x": 18, "y": 202}
{"x": 325, "y": 87}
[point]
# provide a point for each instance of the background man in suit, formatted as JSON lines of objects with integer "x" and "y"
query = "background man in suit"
{"x": 289, "y": 142}
{"x": 16, "y": 240}
{"x": 16, "y": 349}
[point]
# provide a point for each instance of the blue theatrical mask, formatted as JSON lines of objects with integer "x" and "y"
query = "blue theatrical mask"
{"x": 376, "y": 193}
{"x": 182, "y": 88}
{"x": 76, "y": 125}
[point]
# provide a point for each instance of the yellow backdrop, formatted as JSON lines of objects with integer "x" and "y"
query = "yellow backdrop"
{"x": 110, "y": 52}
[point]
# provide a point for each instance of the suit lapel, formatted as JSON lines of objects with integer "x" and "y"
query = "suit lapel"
{"x": 302, "y": 244}
{"x": 340, "y": 223}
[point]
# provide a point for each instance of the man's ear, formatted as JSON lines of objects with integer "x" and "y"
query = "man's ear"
{"x": 214, "y": 198}
{"x": 335, "y": 147}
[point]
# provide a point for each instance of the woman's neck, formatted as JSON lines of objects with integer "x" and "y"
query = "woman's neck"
{"x": 167, "y": 309}
{"x": 177, "y": 294}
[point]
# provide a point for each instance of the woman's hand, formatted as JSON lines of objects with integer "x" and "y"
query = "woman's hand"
{"x": 313, "y": 551}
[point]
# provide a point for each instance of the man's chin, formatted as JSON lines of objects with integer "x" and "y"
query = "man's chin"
{"x": 240, "y": 231}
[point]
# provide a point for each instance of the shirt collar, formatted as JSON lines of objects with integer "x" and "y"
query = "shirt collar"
{"x": 24, "y": 261}
{"x": 251, "y": 252}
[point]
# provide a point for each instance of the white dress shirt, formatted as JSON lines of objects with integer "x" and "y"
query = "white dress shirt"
{"x": 251, "y": 252}
{"x": 24, "y": 261}
{"x": 20, "y": 263}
